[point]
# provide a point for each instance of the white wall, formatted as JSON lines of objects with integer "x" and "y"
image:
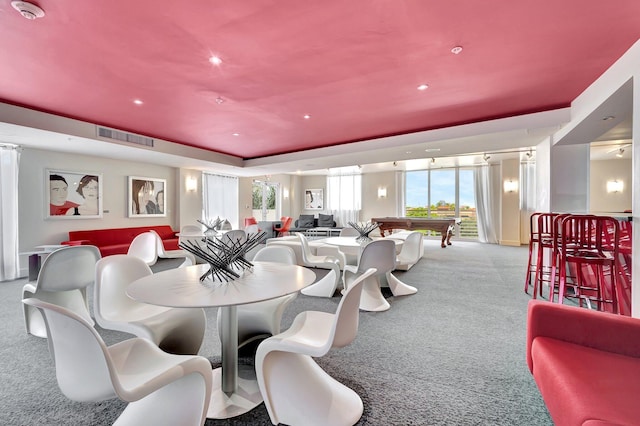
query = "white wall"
{"x": 372, "y": 206}
{"x": 510, "y": 204}
{"x": 603, "y": 171}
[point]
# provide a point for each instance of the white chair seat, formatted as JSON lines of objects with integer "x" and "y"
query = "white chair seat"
{"x": 189, "y": 259}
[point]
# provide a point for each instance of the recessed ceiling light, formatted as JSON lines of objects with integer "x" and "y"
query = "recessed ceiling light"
{"x": 306, "y": 116}
{"x": 423, "y": 87}
{"x": 215, "y": 60}
{"x": 432, "y": 150}
{"x": 137, "y": 102}
{"x": 456, "y": 50}
{"x": 407, "y": 152}
{"x": 236, "y": 134}
{"x": 219, "y": 100}
{"x": 608, "y": 117}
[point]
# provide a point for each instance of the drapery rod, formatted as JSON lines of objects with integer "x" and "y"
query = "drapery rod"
{"x": 9, "y": 146}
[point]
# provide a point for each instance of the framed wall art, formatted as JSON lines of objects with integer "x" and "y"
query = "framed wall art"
{"x": 72, "y": 195}
{"x": 313, "y": 199}
{"x": 147, "y": 197}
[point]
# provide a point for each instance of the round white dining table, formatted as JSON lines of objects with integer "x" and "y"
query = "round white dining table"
{"x": 181, "y": 288}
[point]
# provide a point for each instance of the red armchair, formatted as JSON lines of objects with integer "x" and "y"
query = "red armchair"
{"x": 586, "y": 364}
{"x": 283, "y": 229}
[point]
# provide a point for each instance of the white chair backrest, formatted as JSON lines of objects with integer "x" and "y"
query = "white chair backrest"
{"x": 349, "y": 232}
{"x": 145, "y": 246}
{"x": 306, "y": 251}
{"x": 345, "y": 326}
{"x": 80, "y": 355}
{"x": 113, "y": 275}
{"x": 379, "y": 254}
{"x": 410, "y": 252}
{"x": 276, "y": 253}
{"x": 68, "y": 268}
{"x": 235, "y": 236}
{"x": 191, "y": 230}
{"x": 251, "y": 229}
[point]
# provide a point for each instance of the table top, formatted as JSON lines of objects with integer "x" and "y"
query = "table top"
{"x": 351, "y": 241}
{"x": 182, "y": 288}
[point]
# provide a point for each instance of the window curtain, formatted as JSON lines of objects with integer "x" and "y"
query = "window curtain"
{"x": 9, "y": 261}
{"x": 344, "y": 198}
{"x": 487, "y": 213}
{"x": 527, "y": 198}
{"x": 220, "y": 198}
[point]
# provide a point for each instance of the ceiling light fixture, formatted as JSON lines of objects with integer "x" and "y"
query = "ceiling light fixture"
{"x": 137, "y": 102}
{"x": 486, "y": 157}
{"x": 28, "y": 10}
{"x": 219, "y": 100}
{"x": 456, "y": 50}
{"x": 306, "y": 116}
{"x": 620, "y": 153}
{"x": 433, "y": 160}
{"x": 423, "y": 87}
{"x": 236, "y": 134}
{"x": 608, "y": 117}
{"x": 215, "y": 60}
{"x": 529, "y": 154}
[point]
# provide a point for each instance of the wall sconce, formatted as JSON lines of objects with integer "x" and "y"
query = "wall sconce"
{"x": 382, "y": 192}
{"x": 615, "y": 186}
{"x": 510, "y": 185}
{"x": 191, "y": 184}
{"x": 285, "y": 193}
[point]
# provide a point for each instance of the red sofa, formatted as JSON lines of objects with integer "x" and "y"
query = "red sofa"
{"x": 585, "y": 363}
{"x": 117, "y": 240}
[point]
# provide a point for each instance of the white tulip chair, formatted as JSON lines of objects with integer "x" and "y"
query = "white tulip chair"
{"x": 161, "y": 389}
{"x": 296, "y": 390}
{"x": 327, "y": 285}
{"x": 379, "y": 254}
{"x": 63, "y": 280}
{"x": 189, "y": 259}
{"x": 174, "y": 330}
{"x": 410, "y": 254}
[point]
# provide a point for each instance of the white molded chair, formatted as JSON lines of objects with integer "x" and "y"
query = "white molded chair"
{"x": 410, "y": 254}
{"x": 189, "y": 259}
{"x": 379, "y": 254}
{"x": 327, "y": 285}
{"x": 145, "y": 247}
{"x": 296, "y": 390}
{"x": 174, "y": 330}
{"x": 350, "y": 254}
{"x": 63, "y": 280}
{"x": 262, "y": 319}
{"x": 161, "y": 389}
{"x": 191, "y": 230}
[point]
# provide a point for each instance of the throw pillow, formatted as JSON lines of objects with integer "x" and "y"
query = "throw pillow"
{"x": 325, "y": 220}
{"x": 305, "y": 221}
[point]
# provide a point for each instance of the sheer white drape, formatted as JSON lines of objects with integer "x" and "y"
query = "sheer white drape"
{"x": 486, "y": 212}
{"x": 344, "y": 198}
{"x": 9, "y": 261}
{"x": 220, "y": 198}
{"x": 527, "y": 198}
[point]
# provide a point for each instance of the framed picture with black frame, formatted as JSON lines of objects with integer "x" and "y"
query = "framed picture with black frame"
{"x": 72, "y": 194}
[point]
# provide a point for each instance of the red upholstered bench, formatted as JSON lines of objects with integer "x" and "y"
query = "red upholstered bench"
{"x": 585, "y": 363}
{"x": 117, "y": 240}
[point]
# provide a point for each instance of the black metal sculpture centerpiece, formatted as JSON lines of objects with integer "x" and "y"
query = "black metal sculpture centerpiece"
{"x": 226, "y": 255}
{"x": 364, "y": 230}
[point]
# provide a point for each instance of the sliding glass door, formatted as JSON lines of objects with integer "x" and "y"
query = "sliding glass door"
{"x": 442, "y": 193}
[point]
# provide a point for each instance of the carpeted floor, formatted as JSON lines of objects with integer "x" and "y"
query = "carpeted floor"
{"x": 452, "y": 354}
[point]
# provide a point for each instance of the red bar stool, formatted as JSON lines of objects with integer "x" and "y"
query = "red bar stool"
{"x": 590, "y": 244}
{"x": 542, "y": 237}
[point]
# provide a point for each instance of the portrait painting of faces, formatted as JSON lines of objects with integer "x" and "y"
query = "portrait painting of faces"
{"x": 313, "y": 199}
{"x": 73, "y": 195}
{"x": 147, "y": 197}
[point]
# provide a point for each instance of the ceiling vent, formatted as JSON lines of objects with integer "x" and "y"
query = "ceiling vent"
{"x": 28, "y": 10}
{"x": 117, "y": 135}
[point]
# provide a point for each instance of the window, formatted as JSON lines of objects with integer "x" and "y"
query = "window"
{"x": 344, "y": 198}
{"x": 220, "y": 198}
{"x": 265, "y": 200}
{"x": 445, "y": 193}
